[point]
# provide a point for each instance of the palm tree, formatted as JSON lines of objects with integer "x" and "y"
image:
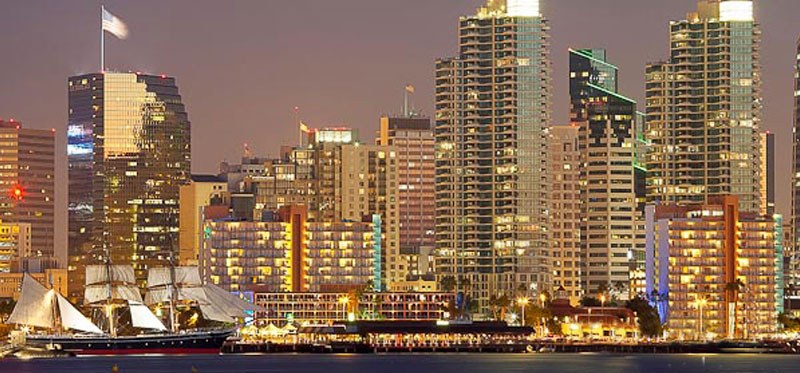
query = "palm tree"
{"x": 734, "y": 287}
{"x": 448, "y": 283}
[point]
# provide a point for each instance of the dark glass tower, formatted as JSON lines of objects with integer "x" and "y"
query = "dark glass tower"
{"x": 129, "y": 150}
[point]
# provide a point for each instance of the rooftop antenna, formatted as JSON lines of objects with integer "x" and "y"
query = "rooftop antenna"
{"x": 408, "y": 111}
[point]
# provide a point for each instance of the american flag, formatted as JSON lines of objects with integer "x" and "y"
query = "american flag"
{"x": 114, "y": 25}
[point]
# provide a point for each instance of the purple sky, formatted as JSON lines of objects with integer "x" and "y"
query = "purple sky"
{"x": 243, "y": 65}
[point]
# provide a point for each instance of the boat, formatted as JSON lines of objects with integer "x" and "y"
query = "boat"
{"x": 110, "y": 288}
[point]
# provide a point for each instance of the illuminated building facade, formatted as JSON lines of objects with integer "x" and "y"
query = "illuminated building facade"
{"x": 128, "y": 148}
{"x": 327, "y": 308}
{"x": 704, "y": 108}
{"x": 200, "y": 192}
{"x": 413, "y": 141}
{"x": 15, "y": 244}
{"x": 27, "y": 183}
{"x": 10, "y": 283}
{"x": 292, "y": 254}
{"x": 564, "y": 162}
{"x": 492, "y": 110}
{"x": 611, "y": 213}
{"x": 697, "y": 254}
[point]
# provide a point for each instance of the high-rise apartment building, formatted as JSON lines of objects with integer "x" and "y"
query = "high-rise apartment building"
{"x": 492, "y": 110}
{"x": 564, "y": 164}
{"x": 712, "y": 269}
{"x": 704, "y": 108}
{"x": 27, "y": 183}
{"x": 606, "y": 121}
{"x": 413, "y": 141}
{"x": 128, "y": 148}
{"x": 15, "y": 245}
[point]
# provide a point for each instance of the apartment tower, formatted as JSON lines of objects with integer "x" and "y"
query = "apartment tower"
{"x": 492, "y": 110}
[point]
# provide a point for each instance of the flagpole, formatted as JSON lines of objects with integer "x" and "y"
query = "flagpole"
{"x": 102, "y": 42}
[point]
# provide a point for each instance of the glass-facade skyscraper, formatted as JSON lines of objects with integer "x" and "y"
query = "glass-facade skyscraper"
{"x": 704, "y": 108}
{"x": 129, "y": 150}
{"x": 492, "y": 110}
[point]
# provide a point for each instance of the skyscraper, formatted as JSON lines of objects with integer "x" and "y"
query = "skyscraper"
{"x": 412, "y": 138}
{"x": 704, "y": 108}
{"x": 492, "y": 109}
{"x": 27, "y": 183}
{"x": 564, "y": 167}
{"x": 611, "y": 215}
{"x": 128, "y": 148}
{"x": 792, "y": 257}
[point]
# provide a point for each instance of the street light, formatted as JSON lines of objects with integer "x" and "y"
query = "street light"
{"x": 602, "y": 300}
{"x": 344, "y": 300}
{"x": 542, "y": 297}
{"x": 522, "y": 302}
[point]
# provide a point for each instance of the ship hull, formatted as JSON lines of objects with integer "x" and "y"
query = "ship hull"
{"x": 186, "y": 343}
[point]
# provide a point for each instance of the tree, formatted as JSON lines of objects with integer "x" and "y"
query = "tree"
{"x": 649, "y": 320}
{"x": 735, "y": 287}
{"x": 448, "y": 283}
{"x": 588, "y": 301}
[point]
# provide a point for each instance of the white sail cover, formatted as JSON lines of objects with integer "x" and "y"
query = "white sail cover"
{"x": 142, "y": 317}
{"x": 98, "y": 293}
{"x": 187, "y": 275}
{"x": 212, "y": 312}
{"x": 35, "y": 305}
{"x": 98, "y": 274}
{"x": 73, "y": 319}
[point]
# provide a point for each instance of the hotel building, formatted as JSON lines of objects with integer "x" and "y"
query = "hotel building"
{"x": 711, "y": 269}
{"x": 129, "y": 151}
{"x": 27, "y": 183}
{"x": 704, "y": 108}
{"x": 492, "y": 109}
{"x": 291, "y": 254}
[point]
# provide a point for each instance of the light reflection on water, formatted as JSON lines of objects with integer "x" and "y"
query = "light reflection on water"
{"x": 415, "y": 363}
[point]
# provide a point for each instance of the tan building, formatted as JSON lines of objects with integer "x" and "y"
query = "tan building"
{"x": 15, "y": 244}
{"x": 412, "y": 139}
{"x": 202, "y": 191}
{"x": 367, "y": 185}
{"x": 711, "y": 269}
{"x": 51, "y": 278}
{"x": 564, "y": 162}
{"x": 704, "y": 108}
{"x": 291, "y": 254}
{"x": 27, "y": 183}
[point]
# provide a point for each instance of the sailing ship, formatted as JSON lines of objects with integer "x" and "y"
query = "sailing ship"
{"x": 110, "y": 289}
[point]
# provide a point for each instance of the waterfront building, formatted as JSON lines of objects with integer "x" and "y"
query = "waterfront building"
{"x": 15, "y": 244}
{"x": 611, "y": 212}
{"x": 27, "y": 183}
{"x": 201, "y": 191}
{"x": 711, "y": 269}
{"x": 595, "y": 323}
{"x": 327, "y": 308}
{"x": 413, "y": 141}
{"x": 704, "y": 108}
{"x": 493, "y": 105}
{"x": 129, "y": 151}
{"x": 292, "y": 254}
{"x": 564, "y": 164}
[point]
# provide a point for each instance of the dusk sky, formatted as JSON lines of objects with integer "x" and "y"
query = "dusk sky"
{"x": 243, "y": 65}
